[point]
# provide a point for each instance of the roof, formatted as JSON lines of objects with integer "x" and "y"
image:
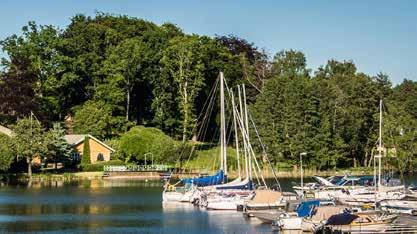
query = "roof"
{"x": 75, "y": 139}
{"x": 6, "y": 131}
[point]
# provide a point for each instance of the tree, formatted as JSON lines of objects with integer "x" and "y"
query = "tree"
{"x": 95, "y": 118}
{"x": 17, "y": 96}
{"x": 290, "y": 63}
{"x": 183, "y": 62}
{"x": 85, "y": 158}
{"x": 37, "y": 49}
{"x": 28, "y": 141}
{"x": 124, "y": 68}
{"x": 58, "y": 148}
{"x": 7, "y": 155}
{"x": 253, "y": 61}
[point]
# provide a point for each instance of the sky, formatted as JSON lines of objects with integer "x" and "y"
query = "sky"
{"x": 378, "y": 35}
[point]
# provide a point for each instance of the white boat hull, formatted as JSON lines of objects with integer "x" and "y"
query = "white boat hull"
{"x": 173, "y": 196}
{"x": 222, "y": 205}
{"x": 289, "y": 223}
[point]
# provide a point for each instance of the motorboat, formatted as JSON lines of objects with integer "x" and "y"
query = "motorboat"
{"x": 294, "y": 220}
{"x": 357, "y": 222}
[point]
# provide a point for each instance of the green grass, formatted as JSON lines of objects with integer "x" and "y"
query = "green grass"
{"x": 209, "y": 160}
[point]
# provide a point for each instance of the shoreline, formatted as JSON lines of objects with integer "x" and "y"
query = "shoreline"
{"x": 267, "y": 174}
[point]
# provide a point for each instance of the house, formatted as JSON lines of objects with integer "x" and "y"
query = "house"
{"x": 99, "y": 151}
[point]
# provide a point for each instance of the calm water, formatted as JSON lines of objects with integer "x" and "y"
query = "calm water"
{"x": 110, "y": 207}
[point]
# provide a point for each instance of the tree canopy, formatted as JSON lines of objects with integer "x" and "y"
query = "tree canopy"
{"x": 110, "y": 73}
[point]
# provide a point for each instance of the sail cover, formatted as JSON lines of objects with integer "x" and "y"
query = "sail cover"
{"x": 305, "y": 208}
{"x": 218, "y": 178}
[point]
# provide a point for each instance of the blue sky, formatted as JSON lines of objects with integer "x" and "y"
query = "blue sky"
{"x": 378, "y": 35}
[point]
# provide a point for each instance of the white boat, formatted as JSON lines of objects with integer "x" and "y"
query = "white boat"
{"x": 268, "y": 216}
{"x": 368, "y": 195}
{"x": 307, "y": 209}
{"x": 358, "y": 222}
{"x": 404, "y": 206}
{"x": 181, "y": 194}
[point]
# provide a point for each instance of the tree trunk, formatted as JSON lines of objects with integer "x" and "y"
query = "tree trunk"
{"x": 185, "y": 125}
{"x": 127, "y": 105}
{"x": 185, "y": 107}
{"x": 29, "y": 168}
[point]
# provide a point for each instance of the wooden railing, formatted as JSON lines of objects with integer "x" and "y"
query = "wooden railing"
{"x": 127, "y": 168}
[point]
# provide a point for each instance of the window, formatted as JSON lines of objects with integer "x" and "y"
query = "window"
{"x": 75, "y": 156}
{"x": 100, "y": 157}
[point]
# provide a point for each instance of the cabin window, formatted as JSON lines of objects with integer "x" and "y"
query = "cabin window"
{"x": 363, "y": 220}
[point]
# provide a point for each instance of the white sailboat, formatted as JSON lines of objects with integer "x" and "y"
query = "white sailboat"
{"x": 379, "y": 192}
{"x": 233, "y": 194}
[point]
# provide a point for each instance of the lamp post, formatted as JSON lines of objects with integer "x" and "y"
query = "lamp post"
{"x": 301, "y": 171}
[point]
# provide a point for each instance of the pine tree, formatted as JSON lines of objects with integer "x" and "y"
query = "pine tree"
{"x": 58, "y": 148}
{"x": 85, "y": 159}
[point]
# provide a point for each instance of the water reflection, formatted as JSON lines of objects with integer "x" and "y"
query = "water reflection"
{"x": 110, "y": 206}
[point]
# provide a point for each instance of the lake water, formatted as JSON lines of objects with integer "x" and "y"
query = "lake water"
{"x": 110, "y": 206}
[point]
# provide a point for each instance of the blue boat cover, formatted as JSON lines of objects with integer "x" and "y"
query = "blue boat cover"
{"x": 306, "y": 207}
{"x": 341, "y": 219}
{"x": 218, "y": 178}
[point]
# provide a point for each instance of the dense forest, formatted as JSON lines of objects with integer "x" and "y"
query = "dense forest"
{"x": 105, "y": 74}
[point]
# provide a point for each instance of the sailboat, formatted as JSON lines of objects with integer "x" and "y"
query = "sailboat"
{"x": 380, "y": 191}
{"x": 189, "y": 192}
{"x": 233, "y": 194}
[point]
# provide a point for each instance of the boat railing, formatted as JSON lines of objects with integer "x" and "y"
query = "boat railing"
{"x": 135, "y": 168}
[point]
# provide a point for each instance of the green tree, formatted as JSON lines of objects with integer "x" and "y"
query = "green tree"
{"x": 58, "y": 148}
{"x": 182, "y": 60}
{"x": 290, "y": 63}
{"x": 28, "y": 141}
{"x": 7, "y": 155}
{"x": 124, "y": 66}
{"x": 95, "y": 118}
{"x": 85, "y": 158}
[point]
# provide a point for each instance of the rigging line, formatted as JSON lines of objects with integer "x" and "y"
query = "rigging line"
{"x": 249, "y": 145}
{"x": 199, "y": 131}
{"x": 213, "y": 90}
{"x": 236, "y": 135}
{"x": 230, "y": 131}
{"x": 251, "y": 151}
{"x": 264, "y": 150}
{"x": 207, "y": 122}
{"x": 209, "y": 110}
{"x": 215, "y": 133}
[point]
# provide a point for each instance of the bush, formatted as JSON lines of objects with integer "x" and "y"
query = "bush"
{"x": 99, "y": 166}
{"x": 140, "y": 141}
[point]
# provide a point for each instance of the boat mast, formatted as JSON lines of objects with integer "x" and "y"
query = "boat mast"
{"x": 247, "y": 128}
{"x": 380, "y": 144}
{"x": 243, "y": 136}
{"x": 222, "y": 128}
{"x": 236, "y": 134}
